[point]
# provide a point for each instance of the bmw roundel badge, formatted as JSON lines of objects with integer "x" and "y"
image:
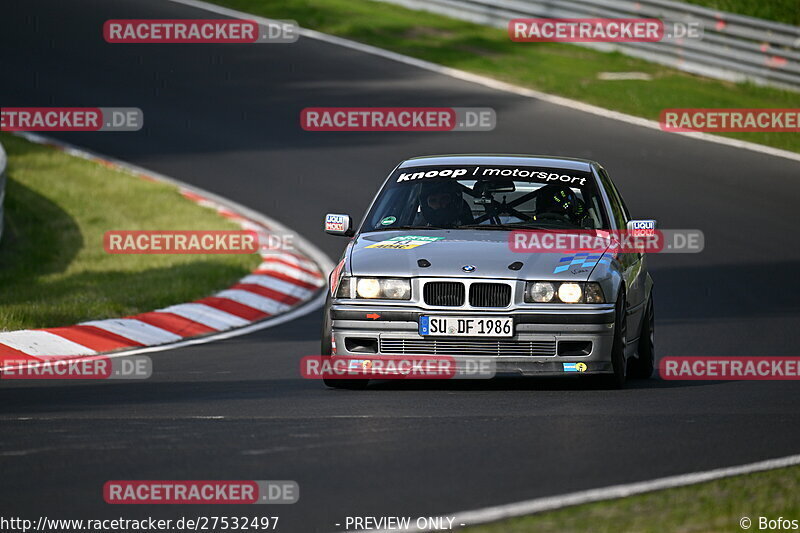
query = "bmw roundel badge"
{"x": 468, "y": 268}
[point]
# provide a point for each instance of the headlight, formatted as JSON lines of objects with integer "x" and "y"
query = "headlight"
{"x": 374, "y": 288}
{"x": 563, "y": 292}
{"x": 570, "y": 293}
{"x": 396, "y": 289}
{"x": 540, "y": 291}
{"x": 368, "y": 288}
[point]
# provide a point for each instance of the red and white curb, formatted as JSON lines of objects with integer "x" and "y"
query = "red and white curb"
{"x": 285, "y": 285}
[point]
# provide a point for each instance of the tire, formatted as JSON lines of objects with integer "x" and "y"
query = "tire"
{"x": 643, "y": 366}
{"x": 617, "y": 379}
{"x": 327, "y": 349}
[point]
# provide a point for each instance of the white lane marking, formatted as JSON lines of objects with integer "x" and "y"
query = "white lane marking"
{"x": 206, "y": 315}
{"x": 256, "y": 301}
{"x": 291, "y": 272}
{"x": 278, "y": 285}
{"x": 498, "y": 85}
{"x": 136, "y": 330}
{"x": 42, "y": 343}
{"x": 552, "y": 503}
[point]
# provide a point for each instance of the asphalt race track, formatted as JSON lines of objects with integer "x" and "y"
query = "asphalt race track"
{"x": 226, "y": 118}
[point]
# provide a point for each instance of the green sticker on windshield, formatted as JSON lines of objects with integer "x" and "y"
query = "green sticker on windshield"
{"x": 405, "y": 242}
{"x": 388, "y": 221}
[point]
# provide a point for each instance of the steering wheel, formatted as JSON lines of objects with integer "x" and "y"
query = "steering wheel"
{"x": 556, "y": 217}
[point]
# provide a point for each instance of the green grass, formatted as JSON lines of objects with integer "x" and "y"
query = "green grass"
{"x": 786, "y": 11}
{"x": 53, "y": 267}
{"x": 561, "y": 69}
{"x": 708, "y": 507}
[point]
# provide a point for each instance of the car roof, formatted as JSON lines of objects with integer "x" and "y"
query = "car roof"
{"x": 500, "y": 159}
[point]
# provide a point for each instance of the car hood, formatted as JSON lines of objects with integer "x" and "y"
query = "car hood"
{"x": 448, "y": 251}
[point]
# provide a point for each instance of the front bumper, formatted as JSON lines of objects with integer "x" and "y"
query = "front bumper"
{"x": 538, "y": 346}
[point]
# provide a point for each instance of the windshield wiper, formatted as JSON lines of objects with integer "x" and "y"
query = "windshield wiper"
{"x": 543, "y": 225}
{"x": 485, "y": 226}
{"x": 511, "y": 227}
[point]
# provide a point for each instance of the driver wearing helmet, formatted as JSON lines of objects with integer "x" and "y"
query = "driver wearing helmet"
{"x": 559, "y": 201}
{"x": 442, "y": 204}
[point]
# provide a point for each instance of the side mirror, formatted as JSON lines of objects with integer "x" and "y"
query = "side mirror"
{"x": 643, "y": 226}
{"x": 339, "y": 225}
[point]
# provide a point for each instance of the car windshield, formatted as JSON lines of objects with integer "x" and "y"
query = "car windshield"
{"x": 487, "y": 197}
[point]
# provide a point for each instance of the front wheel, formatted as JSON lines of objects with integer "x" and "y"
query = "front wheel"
{"x": 643, "y": 366}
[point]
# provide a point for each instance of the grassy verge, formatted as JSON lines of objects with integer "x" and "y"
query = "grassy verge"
{"x": 786, "y": 11}
{"x": 714, "y": 506}
{"x": 53, "y": 268}
{"x": 562, "y": 69}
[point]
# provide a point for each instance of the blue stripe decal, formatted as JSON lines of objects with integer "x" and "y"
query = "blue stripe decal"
{"x": 583, "y": 259}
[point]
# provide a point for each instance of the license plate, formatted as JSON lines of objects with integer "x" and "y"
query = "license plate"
{"x": 466, "y": 326}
